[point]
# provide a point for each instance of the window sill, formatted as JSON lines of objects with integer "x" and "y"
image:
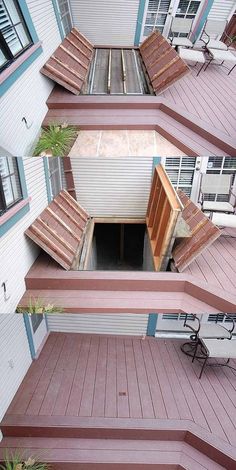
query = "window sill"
{"x": 14, "y": 215}
{"x": 15, "y": 70}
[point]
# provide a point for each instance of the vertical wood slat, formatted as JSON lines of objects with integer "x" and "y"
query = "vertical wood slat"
{"x": 166, "y": 69}
{"x": 163, "y": 211}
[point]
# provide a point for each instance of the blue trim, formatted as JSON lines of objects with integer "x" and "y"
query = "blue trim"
{"x": 29, "y": 335}
{"x": 30, "y": 25}
{"x": 141, "y": 9}
{"x": 152, "y": 322}
{"x": 21, "y": 171}
{"x": 203, "y": 17}
{"x": 58, "y": 18}
{"x": 47, "y": 179}
{"x": 46, "y": 321}
{"x": 14, "y": 219}
{"x": 23, "y": 211}
{"x": 19, "y": 71}
{"x": 155, "y": 162}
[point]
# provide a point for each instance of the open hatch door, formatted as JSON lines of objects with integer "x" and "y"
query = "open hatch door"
{"x": 60, "y": 230}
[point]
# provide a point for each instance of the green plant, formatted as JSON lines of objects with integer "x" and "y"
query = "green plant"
{"x": 55, "y": 141}
{"x": 38, "y": 306}
{"x": 16, "y": 461}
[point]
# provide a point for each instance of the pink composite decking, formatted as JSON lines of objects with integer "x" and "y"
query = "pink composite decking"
{"x": 211, "y": 96}
{"x": 217, "y": 264}
{"x": 98, "y": 376}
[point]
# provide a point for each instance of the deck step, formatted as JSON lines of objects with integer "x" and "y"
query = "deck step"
{"x": 90, "y": 454}
{"x": 150, "y": 119}
{"x": 101, "y": 301}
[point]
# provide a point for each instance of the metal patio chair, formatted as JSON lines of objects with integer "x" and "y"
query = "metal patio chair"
{"x": 212, "y": 31}
{"x": 212, "y": 184}
{"x": 206, "y": 330}
{"x": 184, "y": 26}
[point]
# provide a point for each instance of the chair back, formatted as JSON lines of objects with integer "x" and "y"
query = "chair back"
{"x": 215, "y": 184}
{"x": 181, "y": 25}
{"x": 215, "y": 28}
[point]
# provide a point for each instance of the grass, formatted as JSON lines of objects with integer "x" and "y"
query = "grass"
{"x": 16, "y": 461}
{"x": 38, "y": 306}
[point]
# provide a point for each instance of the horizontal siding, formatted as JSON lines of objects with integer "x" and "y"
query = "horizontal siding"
{"x": 18, "y": 252}
{"x": 221, "y": 10}
{"x": 15, "y": 357}
{"x": 27, "y": 96}
{"x": 113, "y": 187}
{"x": 104, "y": 22}
{"x": 126, "y": 324}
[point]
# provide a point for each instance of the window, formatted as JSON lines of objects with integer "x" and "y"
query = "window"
{"x": 221, "y": 165}
{"x": 36, "y": 319}
{"x": 10, "y": 186}
{"x": 156, "y": 15}
{"x": 55, "y": 175}
{"x": 181, "y": 172}
{"x": 65, "y": 16}
{"x": 14, "y": 35}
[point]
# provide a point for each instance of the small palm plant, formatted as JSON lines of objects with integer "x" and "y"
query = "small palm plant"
{"x": 38, "y": 306}
{"x": 55, "y": 141}
{"x": 17, "y": 462}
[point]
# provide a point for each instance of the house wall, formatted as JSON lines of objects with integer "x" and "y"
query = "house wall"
{"x": 15, "y": 357}
{"x": 113, "y": 187}
{"x": 17, "y": 252}
{"x": 27, "y": 96}
{"x": 104, "y": 22}
{"x": 125, "y": 324}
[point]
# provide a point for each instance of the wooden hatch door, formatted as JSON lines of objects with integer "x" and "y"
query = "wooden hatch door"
{"x": 164, "y": 210}
{"x": 60, "y": 230}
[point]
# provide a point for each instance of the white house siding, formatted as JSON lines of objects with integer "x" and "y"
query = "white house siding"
{"x": 15, "y": 357}
{"x": 113, "y": 324}
{"x": 104, "y": 22}
{"x": 113, "y": 187}
{"x": 18, "y": 252}
{"x": 27, "y": 96}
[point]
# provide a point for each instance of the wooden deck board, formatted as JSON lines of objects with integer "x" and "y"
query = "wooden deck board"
{"x": 210, "y": 96}
{"x": 154, "y": 380}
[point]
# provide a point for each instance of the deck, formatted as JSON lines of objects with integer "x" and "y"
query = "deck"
{"x": 114, "y": 387}
{"x": 207, "y": 285}
{"x": 197, "y": 114}
{"x": 217, "y": 264}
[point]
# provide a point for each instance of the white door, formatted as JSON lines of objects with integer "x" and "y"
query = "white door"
{"x": 158, "y": 14}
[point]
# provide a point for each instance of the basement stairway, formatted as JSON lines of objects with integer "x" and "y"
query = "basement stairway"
{"x": 189, "y": 133}
{"x": 128, "y": 445}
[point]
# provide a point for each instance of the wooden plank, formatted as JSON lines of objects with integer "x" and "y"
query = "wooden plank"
{"x": 56, "y": 236}
{"x": 73, "y": 56}
{"x": 50, "y": 243}
{"x": 68, "y": 215}
{"x": 69, "y": 69}
{"x": 62, "y": 223}
{"x": 82, "y": 39}
{"x": 60, "y": 75}
{"x": 74, "y": 205}
{"x": 77, "y": 48}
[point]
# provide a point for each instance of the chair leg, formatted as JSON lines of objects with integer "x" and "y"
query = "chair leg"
{"x": 195, "y": 350}
{"x": 232, "y": 69}
{"x": 200, "y": 69}
{"x": 203, "y": 366}
{"x": 209, "y": 62}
